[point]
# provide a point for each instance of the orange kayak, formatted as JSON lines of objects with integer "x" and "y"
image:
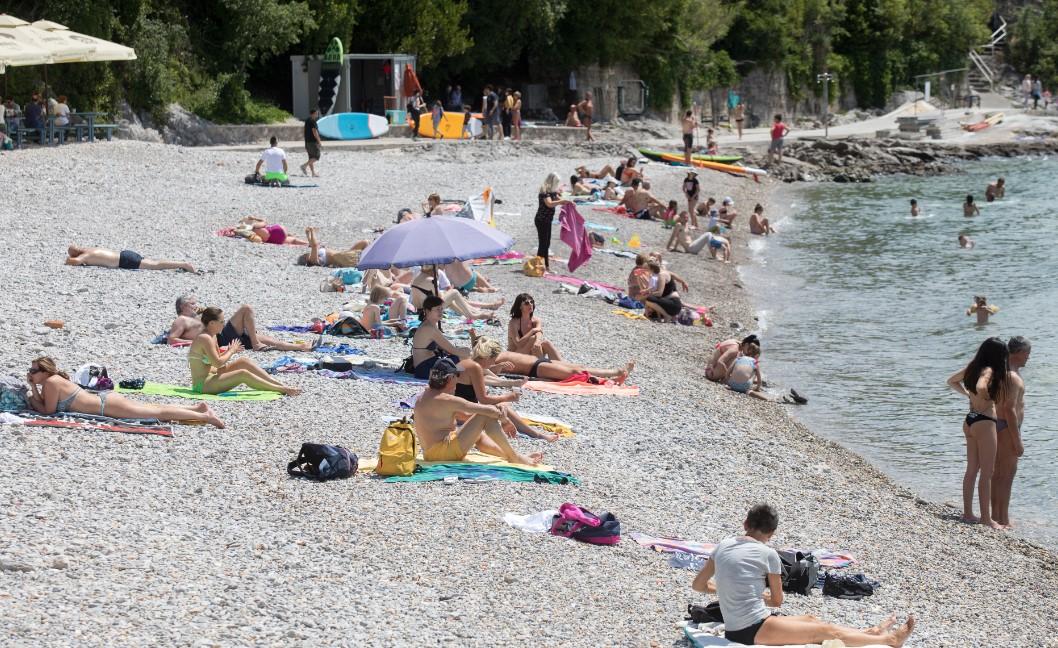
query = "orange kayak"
{"x": 716, "y": 166}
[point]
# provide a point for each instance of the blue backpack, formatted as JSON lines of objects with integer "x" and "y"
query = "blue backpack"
{"x": 323, "y": 462}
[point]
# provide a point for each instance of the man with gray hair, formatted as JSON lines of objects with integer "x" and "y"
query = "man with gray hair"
{"x": 242, "y": 326}
{"x": 1011, "y": 415}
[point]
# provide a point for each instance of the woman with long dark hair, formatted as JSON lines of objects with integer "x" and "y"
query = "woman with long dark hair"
{"x": 525, "y": 332}
{"x": 983, "y": 381}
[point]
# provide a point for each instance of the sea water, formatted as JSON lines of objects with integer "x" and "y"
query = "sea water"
{"x": 863, "y": 311}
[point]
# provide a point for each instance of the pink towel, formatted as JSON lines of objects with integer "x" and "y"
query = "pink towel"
{"x": 582, "y": 389}
{"x": 579, "y": 282}
{"x": 575, "y": 235}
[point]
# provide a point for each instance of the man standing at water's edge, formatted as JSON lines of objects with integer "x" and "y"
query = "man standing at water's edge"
{"x": 1010, "y": 447}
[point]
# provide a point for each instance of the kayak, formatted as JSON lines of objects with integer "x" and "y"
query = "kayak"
{"x": 723, "y": 159}
{"x": 715, "y": 166}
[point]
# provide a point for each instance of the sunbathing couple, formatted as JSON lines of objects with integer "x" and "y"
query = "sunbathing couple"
{"x": 125, "y": 260}
{"x": 422, "y": 288}
{"x": 213, "y": 372}
{"x": 242, "y": 327}
{"x": 429, "y": 345}
{"x": 742, "y": 568}
{"x": 52, "y": 392}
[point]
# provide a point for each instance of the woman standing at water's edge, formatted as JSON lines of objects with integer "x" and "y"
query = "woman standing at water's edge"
{"x": 983, "y": 382}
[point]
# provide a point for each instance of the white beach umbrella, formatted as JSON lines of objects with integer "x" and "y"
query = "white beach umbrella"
{"x": 15, "y": 51}
{"x": 102, "y": 50}
{"x": 58, "y": 48}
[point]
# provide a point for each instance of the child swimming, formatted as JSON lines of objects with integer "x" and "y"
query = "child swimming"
{"x": 983, "y": 309}
{"x": 969, "y": 208}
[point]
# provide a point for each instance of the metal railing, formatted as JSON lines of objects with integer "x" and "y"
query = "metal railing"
{"x": 983, "y": 67}
{"x": 986, "y": 71}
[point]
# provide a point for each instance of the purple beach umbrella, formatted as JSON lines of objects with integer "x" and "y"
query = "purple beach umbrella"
{"x": 434, "y": 241}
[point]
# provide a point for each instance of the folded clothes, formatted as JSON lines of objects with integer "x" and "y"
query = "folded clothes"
{"x": 582, "y": 389}
{"x": 161, "y": 389}
{"x": 548, "y": 424}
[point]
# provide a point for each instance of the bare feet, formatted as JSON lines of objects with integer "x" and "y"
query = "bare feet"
{"x": 532, "y": 459}
{"x": 884, "y": 626}
{"x": 623, "y": 376}
{"x": 291, "y": 391}
{"x": 900, "y": 635}
{"x": 550, "y": 438}
{"x": 212, "y": 419}
{"x": 993, "y": 524}
{"x": 969, "y": 519}
{"x": 187, "y": 267}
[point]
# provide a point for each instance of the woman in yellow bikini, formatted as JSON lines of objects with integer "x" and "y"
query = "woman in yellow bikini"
{"x": 213, "y": 372}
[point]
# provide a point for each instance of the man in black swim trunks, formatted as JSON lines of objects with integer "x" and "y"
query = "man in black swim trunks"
{"x": 125, "y": 260}
{"x": 241, "y": 326}
{"x": 689, "y": 125}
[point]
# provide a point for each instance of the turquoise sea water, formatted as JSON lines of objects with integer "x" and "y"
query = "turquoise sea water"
{"x": 863, "y": 309}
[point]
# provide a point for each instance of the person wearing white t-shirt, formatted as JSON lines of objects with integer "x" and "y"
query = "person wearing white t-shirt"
{"x": 61, "y": 111}
{"x": 743, "y": 567}
{"x": 274, "y": 161}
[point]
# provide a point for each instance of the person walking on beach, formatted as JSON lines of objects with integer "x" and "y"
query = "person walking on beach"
{"x": 1037, "y": 93}
{"x": 740, "y": 117}
{"x": 516, "y": 118}
{"x": 507, "y": 115}
{"x": 969, "y": 208}
{"x": 739, "y": 571}
{"x": 313, "y": 143}
{"x": 779, "y": 131}
{"x": 985, "y": 382}
{"x": 689, "y": 126}
{"x": 548, "y": 200}
{"x": 587, "y": 111}
{"x": 1008, "y": 432}
{"x": 1026, "y": 89}
{"x": 995, "y": 190}
{"x": 416, "y": 107}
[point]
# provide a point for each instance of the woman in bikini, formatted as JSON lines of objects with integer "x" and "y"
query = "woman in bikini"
{"x": 478, "y": 374}
{"x": 213, "y": 372}
{"x": 270, "y": 232}
{"x": 429, "y": 343}
{"x": 52, "y": 392}
{"x": 525, "y": 333}
{"x": 544, "y": 369}
{"x": 422, "y": 288}
{"x": 983, "y": 381}
{"x": 724, "y": 354}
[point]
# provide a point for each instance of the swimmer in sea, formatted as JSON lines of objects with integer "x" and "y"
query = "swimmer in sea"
{"x": 914, "y": 207}
{"x": 969, "y": 208}
{"x": 965, "y": 241}
{"x": 997, "y": 189}
{"x": 983, "y": 309}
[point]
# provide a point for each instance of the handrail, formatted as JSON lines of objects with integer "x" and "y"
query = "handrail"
{"x": 983, "y": 68}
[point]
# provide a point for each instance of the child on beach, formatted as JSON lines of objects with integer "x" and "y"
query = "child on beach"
{"x": 710, "y": 142}
{"x": 969, "y": 208}
{"x": 374, "y": 318}
{"x": 466, "y": 134}
{"x": 758, "y": 224}
{"x": 669, "y": 217}
{"x": 438, "y": 114}
{"x": 914, "y": 207}
{"x": 995, "y": 190}
{"x": 744, "y": 376}
{"x": 965, "y": 241}
{"x": 982, "y": 308}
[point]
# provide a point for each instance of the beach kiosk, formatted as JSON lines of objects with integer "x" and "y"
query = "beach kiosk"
{"x": 371, "y": 83}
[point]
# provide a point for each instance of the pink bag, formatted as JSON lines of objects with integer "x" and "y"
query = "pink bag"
{"x": 581, "y": 524}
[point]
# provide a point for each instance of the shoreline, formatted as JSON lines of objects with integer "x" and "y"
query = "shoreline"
{"x": 198, "y": 528}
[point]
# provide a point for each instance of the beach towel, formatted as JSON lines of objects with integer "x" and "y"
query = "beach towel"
{"x": 483, "y": 473}
{"x": 630, "y": 315}
{"x": 507, "y": 258}
{"x": 580, "y": 282}
{"x": 825, "y": 557}
{"x": 625, "y": 254}
{"x": 702, "y": 635}
{"x": 574, "y": 234}
{"x": 377, "y": 375}
{"x": 548, "y": 424}
{"x": 76, "y": 421}
{"x": 592, "y": 226}
{"x": 581, "y": 389}
{"x": 161, "y": 389}
{"x": 473, "y": 457}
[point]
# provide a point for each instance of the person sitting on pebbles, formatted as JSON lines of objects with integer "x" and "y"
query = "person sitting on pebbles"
{"x": 242, "y": 327}
{"x": 274, "y": 161}
{"x": 319, "y": 255}
{"x": 741, "y": 568}
{"x": 377, "y": 314}
{"x": 744, "y": 376}
{"x": 124, "y": 260}
{"x": 983, "y": 309}
{"x": 52, "y": 392}
{"x": 996, "y": 190}
{"x": 525, "y": 332}
{"x": 213, "y": 372}
{"x": 435, "y": 422}
{"x": 422, "y": 288}
{"x": 758, "y": 224}
{"x": 724, "y": 354}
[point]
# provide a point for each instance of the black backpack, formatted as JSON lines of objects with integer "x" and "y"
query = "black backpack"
{"x": 705, "y": 613}
{"x": 323, "y": 462}
{"x": 852, "y": 587}
{"x": 800, "y": 572}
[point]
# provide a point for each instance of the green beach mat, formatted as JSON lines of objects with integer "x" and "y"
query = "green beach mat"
{"x": 161, "y": 389}
{"x": 481, "y": 473}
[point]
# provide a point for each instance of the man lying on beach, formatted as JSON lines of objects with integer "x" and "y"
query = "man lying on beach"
{"x": 466, "y": 279}
{"x": 242, "y": 326}
{"x": 604, "y": 172}
{"x": 983, "y": 309}
{"x": 739, "y": 571}
{"x": 641, "y": 203}
{"x": 318, "y": 255}
{"x": 435, "y": 424}
{"x": 125, "y": 260}
{"x": 996, "y": 190}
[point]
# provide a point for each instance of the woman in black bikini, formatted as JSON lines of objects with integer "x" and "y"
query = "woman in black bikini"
{"x": 525, "y": 334}
{"x": 664, "y": 301}
{"x": 429, "y": 343}
{"x": 422, "y": 288}
{"x": 983, "y": 381}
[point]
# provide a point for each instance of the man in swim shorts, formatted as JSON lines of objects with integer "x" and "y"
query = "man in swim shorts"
{"x": 465, "y": 278}
{"x": 125, "y": 260}
{"x": 321, "y": 256}
{"x": 435, "y": 424}
{"x": 313, "y": 143}
{"x": 274, "y": 161}
{"x": 1008, "y": 428}
{"x": 241, "y": 326}
{"x": 641, "y": 203}
{"x": 689, "y": 124}
{"x": 587, "y": 112}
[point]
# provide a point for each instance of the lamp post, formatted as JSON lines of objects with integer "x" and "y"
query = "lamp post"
{"x": 825, "y": 78}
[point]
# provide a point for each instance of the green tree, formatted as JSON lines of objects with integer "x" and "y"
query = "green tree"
{"x": 1034, "y": 42}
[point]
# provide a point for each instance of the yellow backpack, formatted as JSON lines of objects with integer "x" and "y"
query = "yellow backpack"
{"x": 534, "y": 267}
{"x": 396, "y": 451}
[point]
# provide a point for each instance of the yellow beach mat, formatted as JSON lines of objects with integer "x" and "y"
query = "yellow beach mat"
{"x": 629, "y": 314}
{"x": 473, "y": 457}
{"x": 548, "y": 424}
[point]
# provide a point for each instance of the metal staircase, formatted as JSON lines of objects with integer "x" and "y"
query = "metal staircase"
{"x": 984, "y": 65}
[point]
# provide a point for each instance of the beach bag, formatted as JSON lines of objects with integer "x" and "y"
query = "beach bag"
{"x": 534, "y": 267}
{"x": 349, "y": 276}
{"x": 323, "y": 462}
{"x": 705, "y": 613}
{"x": 852, "y": 587}
{"x": 581, "y": 524}
{"x": 686, "y": 317}
{"x": 800, "y": 572}
{"x": 93, "y": 376}
{"x": 396, "y": 451}
{"x": 14, "y": 395}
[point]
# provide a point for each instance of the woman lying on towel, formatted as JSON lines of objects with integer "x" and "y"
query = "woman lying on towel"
{"x": 213, "y": 372}
{"x": 263, "y": 232}
{"x": 724, "y": 355}
{"x": 422, "y": 288}
{"x": 545, "y": 369}
{"x": 52, "y": 392}
{"x": 525, "y": 333}
{"x": 743, "y": 567}
{"x": 477, "y": 375}
{"x": 429, "y": 344}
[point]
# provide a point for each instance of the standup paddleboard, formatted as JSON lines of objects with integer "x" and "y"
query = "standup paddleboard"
{"x": 330, "y": 77}
{"x": 723, "y": 159}
{"x": 716, "y": 166}
{"x": 352, "y": 126}
{"x": 451, "y": 125}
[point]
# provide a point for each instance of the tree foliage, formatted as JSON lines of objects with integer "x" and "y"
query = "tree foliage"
{"x": 1034, "y": 41}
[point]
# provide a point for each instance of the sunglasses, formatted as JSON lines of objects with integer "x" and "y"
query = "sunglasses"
{"x": 35, "y": 370}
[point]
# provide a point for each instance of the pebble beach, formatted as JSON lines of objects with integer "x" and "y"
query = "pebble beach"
{"x": 202, "y": 539}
